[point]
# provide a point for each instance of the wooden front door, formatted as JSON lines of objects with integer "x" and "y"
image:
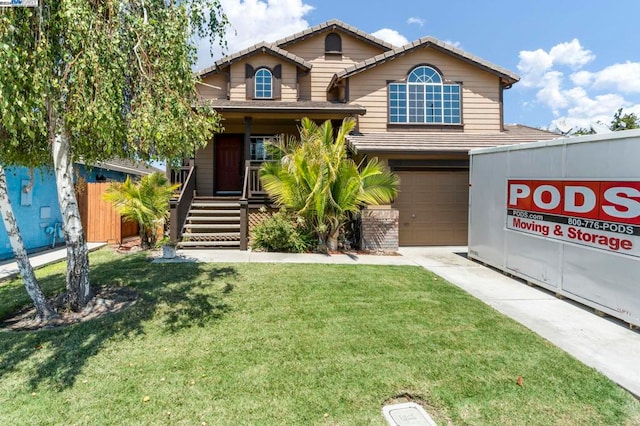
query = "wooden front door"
{"x": 229, "y": 163}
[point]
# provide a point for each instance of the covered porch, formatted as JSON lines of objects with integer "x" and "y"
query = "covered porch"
{"x": 226, "y": 170}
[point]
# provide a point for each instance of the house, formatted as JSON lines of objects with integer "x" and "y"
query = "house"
{"x": 419, "y": 108}
{"x": 34, "y": 199}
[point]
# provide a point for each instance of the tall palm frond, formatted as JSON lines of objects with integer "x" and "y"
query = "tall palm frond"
{"x": 315, "y": 178}
{"x": 145, "y": 202}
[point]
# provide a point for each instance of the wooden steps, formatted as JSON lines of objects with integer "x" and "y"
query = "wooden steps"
{"x": 212, "y": 222}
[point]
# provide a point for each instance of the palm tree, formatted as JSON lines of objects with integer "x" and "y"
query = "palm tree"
{"x": 316, "y": 179}
{"x": 145, "y": 202}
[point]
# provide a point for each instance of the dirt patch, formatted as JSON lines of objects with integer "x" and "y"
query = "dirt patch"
{"x": 107, "y": 300}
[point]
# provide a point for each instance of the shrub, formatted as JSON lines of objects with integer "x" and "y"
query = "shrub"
{"x": 281, "y": 232}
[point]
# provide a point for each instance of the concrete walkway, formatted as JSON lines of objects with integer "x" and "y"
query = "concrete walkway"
{"x": 605, "y": 344}
{"x": 9, "y": 269}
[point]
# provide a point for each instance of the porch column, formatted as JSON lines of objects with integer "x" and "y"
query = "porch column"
{"x": 247, "y": 138}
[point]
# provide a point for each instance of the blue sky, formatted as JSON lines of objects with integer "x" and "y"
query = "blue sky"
{"x": 579, "y": 60}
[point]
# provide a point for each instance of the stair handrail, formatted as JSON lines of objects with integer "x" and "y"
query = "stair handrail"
{"x": 245, "y": 184}
{"x": 179, "y": 207}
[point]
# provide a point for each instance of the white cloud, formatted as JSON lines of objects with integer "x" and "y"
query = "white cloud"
{"x": 571, "y": 54}
{"x": 582, "y": 78}
{"x": 454, "y": 43}
{"x": 391, "y": 36}
{"x": 253, "y": 21}
{"x": 416, "y": 20}
{"x": 551, "y": 92}
{"x": 623, "y": 77}
{"x": 535, "y": 63}
{"x": 587, "y": 96}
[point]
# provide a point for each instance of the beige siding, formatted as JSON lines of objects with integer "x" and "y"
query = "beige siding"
{"x": 480, "y": 90}
{"x": 213, "y": 86}
{"x": 312, "y": 50}
{"x": 289, "y": 76}
{"x": 204, "y": 170}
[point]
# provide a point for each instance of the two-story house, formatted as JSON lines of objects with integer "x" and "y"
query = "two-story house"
{"x": 419, "y": 108}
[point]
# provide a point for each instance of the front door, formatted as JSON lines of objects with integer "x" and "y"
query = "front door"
{"x": 229, "y": 163}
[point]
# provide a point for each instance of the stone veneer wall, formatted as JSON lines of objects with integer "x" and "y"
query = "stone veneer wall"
{"x": 379, "y": 231}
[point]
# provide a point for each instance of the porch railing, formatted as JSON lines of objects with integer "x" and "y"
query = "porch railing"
{"x": 179, "y": 207}
{"x": 180, "y": 175}
{"x": 254, "y": 188}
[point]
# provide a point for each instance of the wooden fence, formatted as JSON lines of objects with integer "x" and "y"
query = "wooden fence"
{"x": 100, "y": 221}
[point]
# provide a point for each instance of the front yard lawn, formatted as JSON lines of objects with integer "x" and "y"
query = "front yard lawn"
{"x": 275, "y": 344}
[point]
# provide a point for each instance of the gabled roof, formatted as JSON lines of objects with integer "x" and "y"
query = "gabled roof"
{"x": 508, "y": 78}
{"x": 261, "y": 47}
{"x": 439, "y": 142}
{"x": 330, "y": 26}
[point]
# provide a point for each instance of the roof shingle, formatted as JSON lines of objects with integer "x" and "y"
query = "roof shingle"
{"x": 426, "y": 142}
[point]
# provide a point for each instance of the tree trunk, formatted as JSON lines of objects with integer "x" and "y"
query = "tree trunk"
{"x": 144, "y": 237}
{"x": 78, "y": 289}
{"x": 44, "y": 311}
{"x": 332, "y": 240}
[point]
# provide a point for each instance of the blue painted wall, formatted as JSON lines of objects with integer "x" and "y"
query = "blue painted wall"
{"x": 38, "y": 227}
{"x": 35, "y": 213}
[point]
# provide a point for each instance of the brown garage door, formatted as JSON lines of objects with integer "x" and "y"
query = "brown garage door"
{"x": 433, "y": 207}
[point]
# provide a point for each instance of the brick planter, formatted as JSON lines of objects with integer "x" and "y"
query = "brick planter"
{"x": 379, "y": 229}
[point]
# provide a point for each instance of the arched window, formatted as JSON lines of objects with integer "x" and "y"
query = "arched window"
{"x": 332, "y": 43}
{"x": 424, "y": 99}
{"x": 263, "y": 84}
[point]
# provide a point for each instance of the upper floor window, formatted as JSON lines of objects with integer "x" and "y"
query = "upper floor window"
{"x": 333, "y": 43}
{"x": 263, "y": 84}
{"x": 424, "y": 99}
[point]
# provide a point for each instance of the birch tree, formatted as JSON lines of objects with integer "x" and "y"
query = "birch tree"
{"x": 99, "y": 79}
{"x": 44, "y": 311}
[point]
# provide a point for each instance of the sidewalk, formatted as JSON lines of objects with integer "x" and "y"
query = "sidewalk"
{"x": 9, "y": 269}
{"x": 606, "y": 344}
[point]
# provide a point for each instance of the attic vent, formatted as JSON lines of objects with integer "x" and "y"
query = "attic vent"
{"x": 333, "y": 44}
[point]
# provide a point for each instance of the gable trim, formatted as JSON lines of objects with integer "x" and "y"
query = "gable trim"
{"x": 507, "y": 78}
{"x": 332, "y": 25}
{"x": 261, "y": 47}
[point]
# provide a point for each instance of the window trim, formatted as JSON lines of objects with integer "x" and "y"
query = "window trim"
{"x": 256, "y": 82}
{"x": 400, "y": 106}
{"x": 335, "y": 41}
{"x": 253, "y": 138}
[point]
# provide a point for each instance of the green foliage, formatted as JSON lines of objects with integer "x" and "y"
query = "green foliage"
{"x": 145, "y": 202}
{"x": 625, "y": 121}
{"x": 283, "y": 233}
{"x": 620, "y": 121}
{"x": 315, "y": 178}
{"x": 113, "y": 75}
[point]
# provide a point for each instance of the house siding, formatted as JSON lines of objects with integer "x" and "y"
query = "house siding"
{"x": 480, "y": 90}
{"x": 31, "y": 215}
{"x": 214, "y": 86}
{"x": 204, "y": 170}
{"x": 289, "y": 84}
{"x": 314, "y": 86}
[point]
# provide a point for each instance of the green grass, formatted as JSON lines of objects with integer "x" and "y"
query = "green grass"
{"x": 290, "y": 344}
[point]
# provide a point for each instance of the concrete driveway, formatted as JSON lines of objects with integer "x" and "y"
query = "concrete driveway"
{"x": 606, "y": 344}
